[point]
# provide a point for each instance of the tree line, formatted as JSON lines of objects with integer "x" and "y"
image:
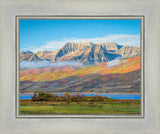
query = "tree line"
{"x": 42, "y": 96}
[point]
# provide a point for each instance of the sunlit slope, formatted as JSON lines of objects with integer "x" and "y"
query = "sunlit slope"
{"x": 54, "y": 73}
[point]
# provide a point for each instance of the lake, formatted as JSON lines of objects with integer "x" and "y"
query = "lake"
{"x": 113, "y": 96}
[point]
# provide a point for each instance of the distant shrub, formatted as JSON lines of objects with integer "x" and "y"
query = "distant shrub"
{"x": 91, "y": 90}
{"x": 42, "y": 96}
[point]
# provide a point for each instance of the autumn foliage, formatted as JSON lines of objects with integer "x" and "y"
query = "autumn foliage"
{"x": 57, "y": 73}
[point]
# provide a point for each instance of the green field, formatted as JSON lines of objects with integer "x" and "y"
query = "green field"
{"x": 28, "y": 107}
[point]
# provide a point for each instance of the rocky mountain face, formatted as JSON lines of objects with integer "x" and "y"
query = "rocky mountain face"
{"x": 28, "y": 56}
{"x": 129, "y": 51}
{"x": 111, "y": 46}
{"x": 84, "y": 52}
{"x": 46, "y": 54}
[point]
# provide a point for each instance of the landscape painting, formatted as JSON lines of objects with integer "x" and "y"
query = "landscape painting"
{"x": 79, "y": 67}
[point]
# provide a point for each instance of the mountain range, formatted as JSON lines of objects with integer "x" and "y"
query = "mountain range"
{"x": 87, "y": 53}
{"x": 103, "y": 68}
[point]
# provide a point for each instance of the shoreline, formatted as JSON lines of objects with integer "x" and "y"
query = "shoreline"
{"x": 82, "y": 93}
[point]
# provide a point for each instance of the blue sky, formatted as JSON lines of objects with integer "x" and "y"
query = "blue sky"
{"x": 37, "y": 35}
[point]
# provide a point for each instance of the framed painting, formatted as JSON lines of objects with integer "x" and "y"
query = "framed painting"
{"x": 79, "y": 67}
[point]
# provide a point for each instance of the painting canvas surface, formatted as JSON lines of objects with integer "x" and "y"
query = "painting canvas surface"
{"x": 80, "y": 67}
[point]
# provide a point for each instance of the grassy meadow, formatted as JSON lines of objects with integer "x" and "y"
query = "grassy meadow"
{"x": 29, "y": 107}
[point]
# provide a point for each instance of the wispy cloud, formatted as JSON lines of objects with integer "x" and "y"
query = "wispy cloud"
{"x": 121, "y": 39}
{"x": 114, "y": 62}
{"x": 44, "y": 63}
